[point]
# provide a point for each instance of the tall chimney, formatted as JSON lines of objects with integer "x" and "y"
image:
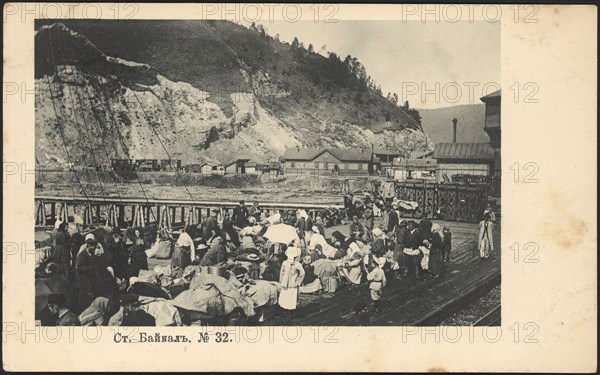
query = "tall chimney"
{"x": 454, "y": 121}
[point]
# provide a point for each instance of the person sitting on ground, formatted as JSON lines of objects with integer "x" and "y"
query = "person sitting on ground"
{"x": 311, "y": 283}
{"x": 133, "y": 315}
{"x": 319, "y": 223}
{"x": 185, "y": 250}
{"x": 356, "y": 229}
{"x": 57, "y": 307}
{"x": 350, "y": 267}
{"x": 217, "y": 252}
{"x": 99, "y": 312}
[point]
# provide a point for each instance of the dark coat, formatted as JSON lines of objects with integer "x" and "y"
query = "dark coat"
{"x": 139, "y": 260}
{"x": 301, "y": 225}
{"x": 68, "y": 319}
{"x": 94, "y": 279}
{"x": 401, "y": 235}
{"x": 230, "y": 230}
{"x": 120, "y": 257}
{"x": 240, "y": 217}
{"x": 61, "y": 252}
{"x": 392, "y": 221}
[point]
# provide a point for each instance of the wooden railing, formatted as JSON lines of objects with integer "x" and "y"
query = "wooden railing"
{"x": 124, "y": 212}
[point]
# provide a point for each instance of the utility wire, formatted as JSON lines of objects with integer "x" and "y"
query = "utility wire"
{"x": 102, "y": 140}
{"x": 124, "y": 146}
{"x": 163, "y": 146}
{"x": 60, "y": 128}
{"x": 89, "y": 136}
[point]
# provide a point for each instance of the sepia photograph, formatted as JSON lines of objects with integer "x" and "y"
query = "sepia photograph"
{"x": 298, "y": 187}
{"x": 220, "y": 173}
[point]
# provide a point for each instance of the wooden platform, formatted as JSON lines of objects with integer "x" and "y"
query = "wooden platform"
{"x": 406, "y": 302}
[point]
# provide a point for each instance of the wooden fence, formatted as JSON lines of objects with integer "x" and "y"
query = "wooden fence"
{"x": 445, "y": 201}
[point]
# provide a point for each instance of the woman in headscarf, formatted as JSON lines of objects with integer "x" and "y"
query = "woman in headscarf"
{"x": 311, "y": 283}
{"x": 185, "y": 251}
{"x": 290, "y": 279}
{"x": 436, "y": 254}
{"x": 350, "y": 267}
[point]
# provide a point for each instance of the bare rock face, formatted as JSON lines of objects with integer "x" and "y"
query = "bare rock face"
{"x": 92, "y": 106}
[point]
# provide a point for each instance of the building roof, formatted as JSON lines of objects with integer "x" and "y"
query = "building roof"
{"x": 494, "y": 95}
{"x": 310, "y": 153}
{"x": 387, "y": 152}
{"x": 416, "y": 163}
{"x": 420, "y": 154}
{"x": 464, "y": 151}
{"x": 235, "y": 161}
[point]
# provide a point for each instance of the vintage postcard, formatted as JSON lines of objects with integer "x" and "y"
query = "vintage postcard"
{"x": 315, "y": 187}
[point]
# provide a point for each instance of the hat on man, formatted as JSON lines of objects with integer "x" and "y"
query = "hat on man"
{"x": 90, "y": 238}
{"x": 377, "y": 232}
{"x": 56, "y": 299}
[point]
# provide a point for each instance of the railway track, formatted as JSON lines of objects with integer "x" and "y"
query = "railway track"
{"x": 492, "y": 318}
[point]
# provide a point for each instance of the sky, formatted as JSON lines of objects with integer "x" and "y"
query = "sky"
{"x": 431, "y": 65}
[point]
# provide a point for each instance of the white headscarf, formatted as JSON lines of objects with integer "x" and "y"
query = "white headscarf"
{"x": 292, "y": 252}
{"x": 302, "y": 213}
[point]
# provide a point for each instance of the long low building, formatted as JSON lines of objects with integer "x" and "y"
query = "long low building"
{"x": 457, "y": 159}
{"x": 327, "y": 161}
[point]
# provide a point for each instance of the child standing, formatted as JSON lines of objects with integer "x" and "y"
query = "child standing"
{"x": 290, "y": 279}
{"x": 377, "y": 282}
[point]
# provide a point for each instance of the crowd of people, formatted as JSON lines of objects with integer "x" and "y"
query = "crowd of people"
{"x": 240, "y": 256}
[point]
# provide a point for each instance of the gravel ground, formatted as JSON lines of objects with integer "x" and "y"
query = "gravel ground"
{"x": 475, "y": 310}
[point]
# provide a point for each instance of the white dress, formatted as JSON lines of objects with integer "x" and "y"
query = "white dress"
{"x": 290, "y": 278}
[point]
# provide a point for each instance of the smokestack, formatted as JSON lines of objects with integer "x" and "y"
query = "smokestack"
{"x": 454, "y": 121}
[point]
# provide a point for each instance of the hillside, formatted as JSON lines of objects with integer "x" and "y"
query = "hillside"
{"x": 437, "y": 123}
{"x": 211, "y": 90}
